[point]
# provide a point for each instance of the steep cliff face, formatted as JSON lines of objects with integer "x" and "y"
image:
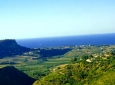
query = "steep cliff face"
{"x": 9, "y": 47}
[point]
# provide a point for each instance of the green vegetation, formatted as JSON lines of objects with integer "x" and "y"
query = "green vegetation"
{"x": 83, "y": 65}
{"x": 97, "y": 72}
{"x": 34, "y": 68}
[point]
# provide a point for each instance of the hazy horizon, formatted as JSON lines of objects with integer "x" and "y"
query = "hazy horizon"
{"x": 68, "y": 36}
{"x": 60, "y": 36}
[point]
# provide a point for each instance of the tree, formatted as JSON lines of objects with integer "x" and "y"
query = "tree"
{"x": 74, "y": 59}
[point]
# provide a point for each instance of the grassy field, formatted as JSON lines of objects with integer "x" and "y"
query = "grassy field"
{"x": 36, "y": 68}
{"x": 30, "y": 67}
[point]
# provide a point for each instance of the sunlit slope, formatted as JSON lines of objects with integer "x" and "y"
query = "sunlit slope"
{"x": 97, "y": 72}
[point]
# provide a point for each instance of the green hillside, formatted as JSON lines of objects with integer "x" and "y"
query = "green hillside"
{"x": 80, "y": 72}
{"x": 82, "y": 65}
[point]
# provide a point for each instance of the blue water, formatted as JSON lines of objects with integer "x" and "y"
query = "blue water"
{"x": 99, "y": 39}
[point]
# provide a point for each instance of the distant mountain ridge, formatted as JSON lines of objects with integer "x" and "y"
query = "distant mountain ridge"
{"x": 9, "y": 47}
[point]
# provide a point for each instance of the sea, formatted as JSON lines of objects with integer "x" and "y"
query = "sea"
{"x": 96, "y": 39}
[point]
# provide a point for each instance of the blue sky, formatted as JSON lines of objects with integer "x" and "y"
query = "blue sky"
{"x": 50, "y": 18}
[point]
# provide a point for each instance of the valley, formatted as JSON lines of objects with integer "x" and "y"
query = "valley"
{"x": 32, "y": 65}
{"x": 51, "y": 65}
